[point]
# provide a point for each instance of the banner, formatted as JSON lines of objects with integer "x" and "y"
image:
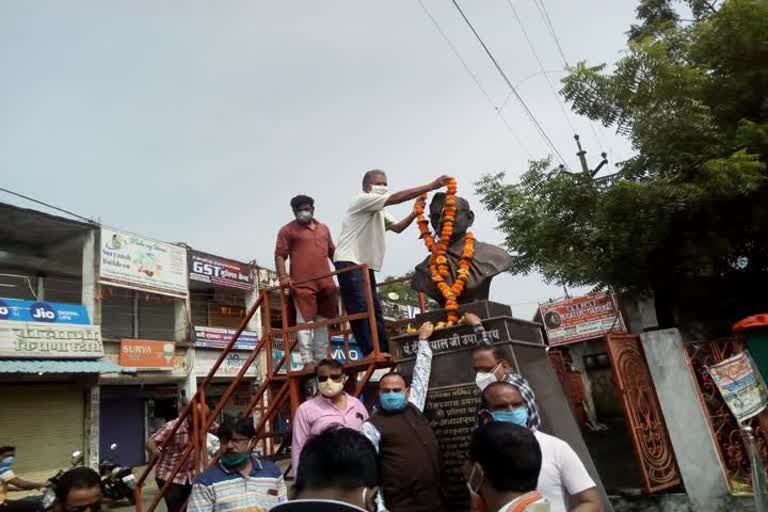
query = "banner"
{"x": 49, "y": 341}
{"x": 130, "y": 261}
{"x": 204, "y": 360}
{"x": 581, "y": 318}
{"x": 742, "y": 388}
{"x": 147, "y": 354}
{"x": 49, "y": 312}
{"x": 268, "y": 278}
{"x": 337, "y": 352}
{"x": 217, "y": 271}
{"x": 218, "y": 337}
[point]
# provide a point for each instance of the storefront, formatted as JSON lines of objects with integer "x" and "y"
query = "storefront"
{"x": 49, "y": 370}
{"x": 233, "y": 363}
{"x": 132, "y": 408}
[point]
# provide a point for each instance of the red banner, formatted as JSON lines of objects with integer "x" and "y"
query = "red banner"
{"x": 581, "y": 318}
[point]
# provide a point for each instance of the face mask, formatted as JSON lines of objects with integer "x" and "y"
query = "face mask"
{"x": 329, "y": 388}
{"x": 484, "y": 379}
{"x": 8, "y": 461}
{"x": 379, "y": 189}
{"x": 303, "y": 216}
{"x": 477, "y": 502}
{"x": 233, "y": 461}
{"x": 519, "y": 416}
{"x": 393, "y": 401}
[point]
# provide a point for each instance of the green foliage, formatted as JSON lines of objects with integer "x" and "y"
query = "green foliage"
{"x": 407, "y": 295}
{"x": 688, "y": 214}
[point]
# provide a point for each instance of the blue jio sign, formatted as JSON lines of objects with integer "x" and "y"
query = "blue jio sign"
{"x": 50, "y": 312}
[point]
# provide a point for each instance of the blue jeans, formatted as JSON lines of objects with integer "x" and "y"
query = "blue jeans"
{"x": 353, "y": 295}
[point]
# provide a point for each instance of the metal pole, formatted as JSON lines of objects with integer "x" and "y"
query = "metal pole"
{"x": 759, "y": 482}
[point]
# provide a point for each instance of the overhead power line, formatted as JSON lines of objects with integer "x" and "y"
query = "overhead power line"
{"x": 475, "y": 79}
{"x": 558, "y": 98}
{"x": 48, "y": 205}
{"x": 512, "y": 87}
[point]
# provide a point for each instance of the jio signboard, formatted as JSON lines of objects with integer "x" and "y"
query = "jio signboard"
{"x": 48, "y": 312}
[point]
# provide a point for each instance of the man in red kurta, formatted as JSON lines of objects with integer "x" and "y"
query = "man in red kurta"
{"x": 308, "y": 245}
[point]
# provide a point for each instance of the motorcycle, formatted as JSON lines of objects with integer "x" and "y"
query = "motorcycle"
{"x": 49, "y": 496}
{"x": 117, "y": 482}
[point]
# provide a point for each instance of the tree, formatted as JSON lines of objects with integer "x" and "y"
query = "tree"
{"x": 686, "y": 218}
{"x": 407, "y": 296}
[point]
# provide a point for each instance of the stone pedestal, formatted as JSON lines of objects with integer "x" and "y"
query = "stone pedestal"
{"x": 453, "y": 399}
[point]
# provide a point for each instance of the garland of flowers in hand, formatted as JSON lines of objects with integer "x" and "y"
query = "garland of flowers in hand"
{"x": 438, "y": 261}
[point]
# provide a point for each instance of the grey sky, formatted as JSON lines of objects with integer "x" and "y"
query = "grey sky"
{"x": 197, "y": 121}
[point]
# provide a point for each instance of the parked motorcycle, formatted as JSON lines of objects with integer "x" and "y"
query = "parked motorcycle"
{"x": 117, "y": 482}
{"x": 49, "y": 496}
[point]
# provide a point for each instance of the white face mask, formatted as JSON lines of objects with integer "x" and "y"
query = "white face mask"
{"x": 485, "y": 379}
{"x": 379, "y": 189}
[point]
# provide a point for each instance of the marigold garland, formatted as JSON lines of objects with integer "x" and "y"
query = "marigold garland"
{"x": 438, "y": 261}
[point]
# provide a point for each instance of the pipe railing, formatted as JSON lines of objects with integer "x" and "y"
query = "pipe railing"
{"x": 201, "y": 422}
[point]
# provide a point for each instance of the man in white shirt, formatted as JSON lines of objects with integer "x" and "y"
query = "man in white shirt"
{"x": 561, "y": 468}
{"x": 362, "y": 243}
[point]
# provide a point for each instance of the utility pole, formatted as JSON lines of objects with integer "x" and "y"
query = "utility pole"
{"x": 583, "y": 159}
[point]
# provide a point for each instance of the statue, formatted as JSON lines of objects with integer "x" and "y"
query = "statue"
{"x": 489, "y": 260}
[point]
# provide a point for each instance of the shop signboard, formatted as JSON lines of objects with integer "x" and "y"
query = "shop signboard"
{"x": 43, "y": 340}
{"x": 218, "y": 337}
{"x": 147, "y": 354}
{"x": 741, "y": 386}
{"x": 47, "y": 312}
{"x": 337, "y": 352}
{"x": 267, "y": 278}
{"x": 215, "y": 271}
{"x": 581, "y": 318}
{"x": 234, "y": 361}
{"x": 131, "y": 261}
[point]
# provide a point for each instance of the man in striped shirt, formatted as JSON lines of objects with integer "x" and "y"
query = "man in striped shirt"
{"x": 493, "y": 363}
{"x": 239, "y": 482}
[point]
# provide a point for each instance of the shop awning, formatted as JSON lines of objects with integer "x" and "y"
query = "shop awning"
{"x": 41, "y": 366}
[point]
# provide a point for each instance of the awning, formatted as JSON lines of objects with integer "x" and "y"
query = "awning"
{"x": 41, "y": 366}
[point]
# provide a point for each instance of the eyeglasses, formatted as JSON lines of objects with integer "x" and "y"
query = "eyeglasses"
{"x": 334, "y": 378}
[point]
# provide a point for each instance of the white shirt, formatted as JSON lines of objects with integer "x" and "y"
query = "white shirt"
{"x": 561, "y": 471}
{"x": 362, "y": 232}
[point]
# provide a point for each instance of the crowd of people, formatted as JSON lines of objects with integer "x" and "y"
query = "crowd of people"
{"x": 343, "y": 458}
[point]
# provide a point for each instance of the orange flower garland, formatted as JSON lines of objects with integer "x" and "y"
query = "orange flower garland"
{"x": 438, "y": 261}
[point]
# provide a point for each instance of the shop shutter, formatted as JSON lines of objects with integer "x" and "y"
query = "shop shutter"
{"x": 45, "y": 423}
{"x": 156, "y": 318}
{"x": 117, "y": 313}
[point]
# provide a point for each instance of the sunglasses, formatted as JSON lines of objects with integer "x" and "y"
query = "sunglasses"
{"x": 334, "y": 378}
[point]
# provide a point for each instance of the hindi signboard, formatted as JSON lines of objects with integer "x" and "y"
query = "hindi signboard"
{"x": 233, "y": 363}
{"x": 48, "y": 312}
{"x": 49, "y": 341}
{"x": 147, "y": 354}
{"x": 218, "y": 337}
{"x": 740, "y": 385}
{"x": 131, "y": 261}
{"x": 212, "y": 270}
{"x": 581, "y": 318}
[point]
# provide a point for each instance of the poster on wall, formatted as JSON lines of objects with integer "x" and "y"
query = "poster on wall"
{"x": 37, "y": 311}
{"x": 147, "y": 354}
{"x": 740, "y": 385}
{"x": 131, "y": 261}
{"x": 43, "y": 340}
{"x": 215, "y": 271}
{"x": 581, "y": 318}
{"x": 218, "y": 337}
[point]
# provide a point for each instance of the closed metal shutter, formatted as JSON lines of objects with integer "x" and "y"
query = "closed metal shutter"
{"x": 117, "y": 313}
{"x": 45, "y": 423}
{"x": 63, "y": 289}
{"x": 156, "y": 318}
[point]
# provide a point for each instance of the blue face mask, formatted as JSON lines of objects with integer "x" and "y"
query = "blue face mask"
{"x": 393, "y": 401}
{"x": 519, "y": 416}
{"x": 8, "y": 461}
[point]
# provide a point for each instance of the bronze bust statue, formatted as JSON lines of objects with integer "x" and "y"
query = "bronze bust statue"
{"x": 489, "y": 260}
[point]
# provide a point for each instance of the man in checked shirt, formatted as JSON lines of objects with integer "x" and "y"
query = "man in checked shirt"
{"x": 179, "y": 490}
{"x": 493, "y": 363}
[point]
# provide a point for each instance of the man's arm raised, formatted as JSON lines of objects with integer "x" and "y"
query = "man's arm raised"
{"x": 413, "y": 193}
